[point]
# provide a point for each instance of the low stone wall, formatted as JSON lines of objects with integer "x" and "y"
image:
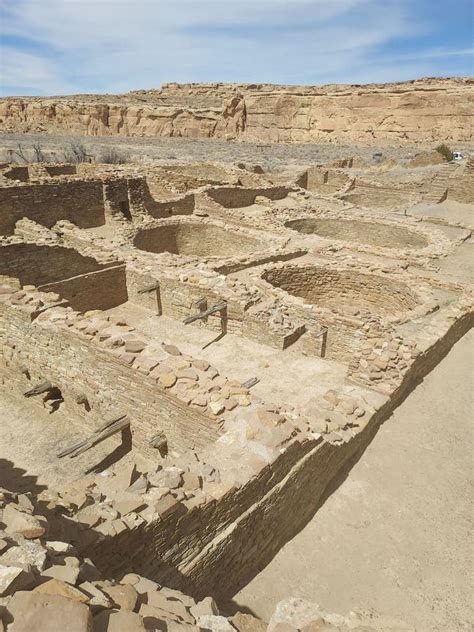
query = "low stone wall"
{"x": 102, "y": 290}
{"x": 232, "y": 197}
{"x": 196, "y": 239}
{"x": 375, "y": 196}
{"x": 80, "y": 202}
{"x": 324, "y": 180}
{"x": 40, "y": 265}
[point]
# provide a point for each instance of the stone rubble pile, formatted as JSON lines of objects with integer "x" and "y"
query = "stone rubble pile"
{"x": 46, "y": 585}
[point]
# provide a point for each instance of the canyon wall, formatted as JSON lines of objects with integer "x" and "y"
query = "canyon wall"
{"x": 424, "y": 110}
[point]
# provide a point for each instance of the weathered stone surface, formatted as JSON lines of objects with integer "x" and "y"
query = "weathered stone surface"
{"x": 205, "y": 607}
{"x": 124, "y": 596}
{"x": 58, "y": 587}
{"x": 118, "y": 621}
{"x": 29, "y": 554}
{"x": 259, "y": 112}
{"x": 13, "y": 578}
{"x": 48, "y": 613}
{"x": 248, "y": 623}
{"x": 295, "y": 612}
{"x": 19, "y": 522}
{"x": 64, "y": 573}
{"x": 215, "y": 623}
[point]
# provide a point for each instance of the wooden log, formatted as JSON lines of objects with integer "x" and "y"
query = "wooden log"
{"x": 42, "y": 387}
{"x": 106, "y": 430}
{"x": 150, "y": 288}
{"x": 212, "y": 310}
{"x": 249, "y": 383}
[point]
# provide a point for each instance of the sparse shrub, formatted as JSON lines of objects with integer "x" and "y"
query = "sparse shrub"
{"x": 18, "y": 153}
{"x": 40, "y": 156}
{"x": 76, "y": 153}
{"x": 25, "y": 154}
{"x": 445, "y": 151}
{"x": 112, "y": 156}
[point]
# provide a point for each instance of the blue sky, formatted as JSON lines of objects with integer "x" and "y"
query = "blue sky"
{"x": 76, "y": 46}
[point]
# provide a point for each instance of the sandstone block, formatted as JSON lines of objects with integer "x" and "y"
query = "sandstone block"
{"x": 13, "y": 578}
{"x": 215, "y": 623}
{"x": 64, "y": 573}
{"x": 19, "y": 522}
{"x": 28, "y": 554}
{"x": 58, "y": 587}
{"x": 205, "y": 607}
{"x": 48, "y": 613}
{"x": 123, "y": 596}
{"x": 118, "y": 621}
{"x": 248, "y": 623}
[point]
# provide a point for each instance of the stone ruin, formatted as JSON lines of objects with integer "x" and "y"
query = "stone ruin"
{"x": 221, "y": 343}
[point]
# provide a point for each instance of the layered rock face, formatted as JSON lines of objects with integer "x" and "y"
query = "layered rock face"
{"x": 425, "y": 110}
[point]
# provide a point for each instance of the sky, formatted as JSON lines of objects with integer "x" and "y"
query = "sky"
{"x": 53, "y": 47}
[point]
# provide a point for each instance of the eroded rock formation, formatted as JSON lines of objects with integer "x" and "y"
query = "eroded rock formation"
{"x": 424, "y": 110}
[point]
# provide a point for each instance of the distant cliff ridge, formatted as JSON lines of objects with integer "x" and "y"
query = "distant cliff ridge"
{"x": 424, "y": 110}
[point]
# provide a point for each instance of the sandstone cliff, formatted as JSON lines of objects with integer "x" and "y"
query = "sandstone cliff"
{"x": 425, "y": 110}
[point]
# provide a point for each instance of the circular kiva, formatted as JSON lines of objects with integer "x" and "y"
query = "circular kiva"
{"x": 360, "y": 231}
{"x": 199, "y": 240}
{"x": 343, "y": 289}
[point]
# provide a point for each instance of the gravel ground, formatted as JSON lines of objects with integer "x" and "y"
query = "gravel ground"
{"x": 271, "y": 157}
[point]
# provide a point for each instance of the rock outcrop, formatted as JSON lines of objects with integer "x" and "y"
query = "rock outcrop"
{"x": 424, "y": 110}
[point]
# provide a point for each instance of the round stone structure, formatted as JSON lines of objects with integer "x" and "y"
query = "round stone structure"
{"x": 364, "y": 232}
{"x": 343, "y": 290}
{"x": 196, "y": 239}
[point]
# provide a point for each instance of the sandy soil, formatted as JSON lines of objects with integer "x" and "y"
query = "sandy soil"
{"x": 395, "y": 536}
{"x": 270, "y": 156}
{"x": 28, "y": 460}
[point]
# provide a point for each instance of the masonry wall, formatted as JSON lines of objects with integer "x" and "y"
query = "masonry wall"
{"x": 38, "y": 265}
{"x": 60, "y": 170}
{"x": 178, "y": 301}
{"x": 372, "y": 196}
{"x": 326, "y": 180}
{"x": 343, "y": 290}
{"x": 102, "y": 290}
{"x": 79, "y": 202}
{"x": 15, "y": 173}
{"x": 232, "y": 197}
{"x": 70, "y": 361}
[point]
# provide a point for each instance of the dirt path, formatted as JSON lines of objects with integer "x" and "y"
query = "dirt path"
{"x": 395, "y": 536}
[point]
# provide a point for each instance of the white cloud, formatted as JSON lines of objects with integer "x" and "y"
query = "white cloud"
{"x": 118, "y": 45}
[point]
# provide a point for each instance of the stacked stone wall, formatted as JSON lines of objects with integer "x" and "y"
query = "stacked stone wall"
{"x": 71, "y": 363}
{"x": 80, "y": 202}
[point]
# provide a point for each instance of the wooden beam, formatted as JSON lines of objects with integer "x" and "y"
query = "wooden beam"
{"x": 219, "y": 307}
{"x": 105, "y": 431}
{"x": 42, "y": 387}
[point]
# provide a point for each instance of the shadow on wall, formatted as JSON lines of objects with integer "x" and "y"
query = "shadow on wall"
{"x": 82, "y": 281}
{"x": 80, "y": 202}
{"x": 234, "y": 197}
{"x": 196, "y": 239}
